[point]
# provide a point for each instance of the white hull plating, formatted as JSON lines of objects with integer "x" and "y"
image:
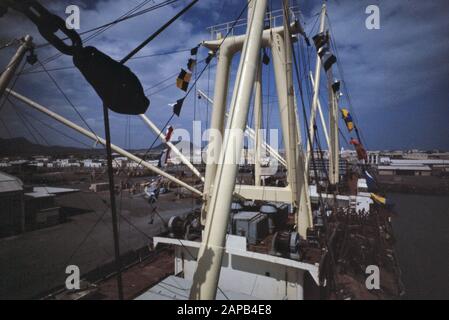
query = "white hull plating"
{"x": 244, "y": 274}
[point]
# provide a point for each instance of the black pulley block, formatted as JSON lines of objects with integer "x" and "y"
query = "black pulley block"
{"x": 118, "y": 87}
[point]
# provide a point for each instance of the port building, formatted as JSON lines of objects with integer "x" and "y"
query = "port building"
{"x": 25, "y": 208}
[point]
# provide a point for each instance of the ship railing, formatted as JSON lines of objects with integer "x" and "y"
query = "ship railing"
{"x": 273, "y": 18}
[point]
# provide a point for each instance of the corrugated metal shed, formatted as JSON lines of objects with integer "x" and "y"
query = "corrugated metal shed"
{"x": 409, "y": 162}
{"x": 45, "y": 192}
{"x": 9, "y": 183}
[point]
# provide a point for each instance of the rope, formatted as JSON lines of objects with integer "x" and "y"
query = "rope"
{"x": 12, "y": 86}
{"x": 70, "y": 102}
{"x": 133, "y": 58}
{"x": 162, "y": 81}
{"x": 6, "y": 128}
{"x": 343, "y": 136}
{"x": 67, "y": 99}
{"x": 165, "y": 80}
{"x": 207, "y": 100}
{"x": 56, "y": 130}
{"x": 24, "y": 120}
{"x": 345, "y": 86}
{"x": 195, "y": 82}
{"x": 161, "y": 89}
{"x": 157, "y": 32}
{"x": 85, "y": 238}
{"x": 103, "y": 29}
{"x": 26, "y": 125}
{"x": 309, "y": 138}
{"x": 194, "y": 100}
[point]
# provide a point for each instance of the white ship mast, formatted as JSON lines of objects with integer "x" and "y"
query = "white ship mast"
{"x": 220, "y": 176}
{"x": 25, "y": 45}
{"x": 206, "y": 277}
{"x": 220, "y": 180}
{"x": 316, "y": 91}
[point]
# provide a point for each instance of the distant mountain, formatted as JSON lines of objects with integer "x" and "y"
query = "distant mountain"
{"x": 23, "y": 147}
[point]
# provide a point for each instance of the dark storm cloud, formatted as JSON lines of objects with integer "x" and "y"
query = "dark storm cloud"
{"x": 117, "y": 42}
{"x": 397, "y": 76}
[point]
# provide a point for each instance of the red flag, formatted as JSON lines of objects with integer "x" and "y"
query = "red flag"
{"x": 361, "y": 152}
{"x": 169, "y": 133}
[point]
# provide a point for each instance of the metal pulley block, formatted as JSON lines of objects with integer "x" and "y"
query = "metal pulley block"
{"x": 118, "y": 87}
{"x": 286, "y": 244}
{"x": 48, "y": 25}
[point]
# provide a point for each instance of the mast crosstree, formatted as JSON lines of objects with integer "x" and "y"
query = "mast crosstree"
{"x": 221, "y": 171}
{"x": 220, "y": 177}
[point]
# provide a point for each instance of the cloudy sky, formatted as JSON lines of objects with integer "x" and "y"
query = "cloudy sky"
{"x": 397, "y": 76}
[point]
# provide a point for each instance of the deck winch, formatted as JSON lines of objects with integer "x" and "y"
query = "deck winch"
{"x": 286, "y": 244}
{"x": 187, "y": 228}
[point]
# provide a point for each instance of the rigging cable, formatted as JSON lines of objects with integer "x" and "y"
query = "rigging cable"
{"x": 56, "y": 130}
{"x": 133, "y": 58}
{"x": 343, "y": 136}
{"x": 71, "y": 103}
{"x": 157, "y": 32}
{"x": 6, "y": 96}
{"x": 309, "y": 138}
{"x": 20, "y": 115}
{"x": 193, "y": 85}
{"x": 6, "y": 128}
{"x": 345, "y": 87}
{"x": 305, "y": 56}
{"x": 27, "y": 121}
{"x": 161, "y": 89}
{"x": 109, "y": 25}
{"x": 306, "y": 67}
{"x": 194, "y": 100}
{"x": 25, "y": 124}
{"x": 58, "y": 55}
{"x": 92, "y": 228}
{"x": 207, "y": 100}
{"x": 170, "y": 77}
{"x": 129, "y": 15}
{"x": 68, "y": 100}
{"x": 173, "y": 114}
